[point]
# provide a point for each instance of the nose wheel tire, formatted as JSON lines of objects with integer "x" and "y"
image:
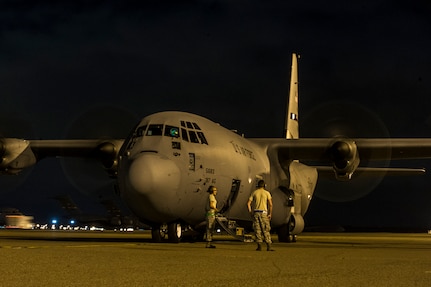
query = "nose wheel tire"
{"x": 155, "y": 234}
{"x": 174, "y": 232}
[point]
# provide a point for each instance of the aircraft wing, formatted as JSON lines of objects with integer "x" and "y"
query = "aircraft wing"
{"x": 17, "y": 154}
{"x": 75, "y": 148}
{"x": 345, "y": 154}
{"x": 321, "y": 149}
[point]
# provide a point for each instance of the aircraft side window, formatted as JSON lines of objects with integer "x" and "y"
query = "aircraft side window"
{"x": 141, "y": 131}
{"x": 189, "y": 125}
{"x": 183, "y": 124}
{"x": 193, "y": 137}
{"x": 155, "y": 130}
{"x": 196, "y": 126}
{"x": 184, "y": 135}
{"x": 202, "y": 138}
{"x": 171, "y": 131}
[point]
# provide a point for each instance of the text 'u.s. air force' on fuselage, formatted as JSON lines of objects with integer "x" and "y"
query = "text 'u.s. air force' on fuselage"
{"x": 164, "y": 167}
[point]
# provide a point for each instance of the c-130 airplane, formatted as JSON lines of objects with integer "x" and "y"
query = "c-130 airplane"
{"x": 166, "y": 164}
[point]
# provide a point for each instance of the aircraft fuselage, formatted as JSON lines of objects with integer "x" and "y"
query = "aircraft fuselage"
{"x": 170, "y": 160}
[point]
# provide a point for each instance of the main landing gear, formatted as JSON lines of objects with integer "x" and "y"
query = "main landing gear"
{"x": 287, "y": 232}
{"x": 284, "y": 234}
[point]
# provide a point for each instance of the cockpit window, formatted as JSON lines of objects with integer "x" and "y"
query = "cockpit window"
{"x": 196, "y": 126}
{"x": 188, "y": 132}
{"x": 184, "y": 135}
{"x": 202, "y": 138}
{"x": 191, "y": 131}
{"x": 171, "y": 131}
{"x": 193, "y": 137}
{"x": 155, "y": 130}
{"x": 141, "y": 131}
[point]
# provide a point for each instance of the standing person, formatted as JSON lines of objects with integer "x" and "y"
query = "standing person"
{"x": 261, "y": 212}
{"x": 211, "y": 210}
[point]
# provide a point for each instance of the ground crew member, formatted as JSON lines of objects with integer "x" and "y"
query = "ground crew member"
{"x": 211, "y": 210}
{"x": 261, "y": 213}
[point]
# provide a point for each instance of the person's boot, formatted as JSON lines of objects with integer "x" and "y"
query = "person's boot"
{"x": 268, "y": 247}
{"x": 259, "y": 247}
{"x": 209, "y": 245}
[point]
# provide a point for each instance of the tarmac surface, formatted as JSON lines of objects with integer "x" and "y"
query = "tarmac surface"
{"x": 77, "y": 258}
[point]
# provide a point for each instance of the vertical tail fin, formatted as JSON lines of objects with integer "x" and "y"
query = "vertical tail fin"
{"x": 292, "y": 125}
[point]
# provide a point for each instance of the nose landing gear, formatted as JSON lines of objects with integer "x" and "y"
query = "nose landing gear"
{"x": 172, "y": 232}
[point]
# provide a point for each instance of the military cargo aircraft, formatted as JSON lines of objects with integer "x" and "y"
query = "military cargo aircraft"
{"x": 164, "y": 167}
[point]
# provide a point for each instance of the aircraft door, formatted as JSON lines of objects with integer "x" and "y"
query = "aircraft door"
{"x": 236, "y": 184}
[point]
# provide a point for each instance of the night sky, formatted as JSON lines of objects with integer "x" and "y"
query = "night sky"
{"x": 94, "y": 68}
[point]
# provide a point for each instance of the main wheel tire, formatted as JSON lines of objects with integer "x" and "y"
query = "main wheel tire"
{"x": 284, "y": 233}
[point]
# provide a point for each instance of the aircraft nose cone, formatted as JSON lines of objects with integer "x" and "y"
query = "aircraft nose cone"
{"x": 152, "y": 173}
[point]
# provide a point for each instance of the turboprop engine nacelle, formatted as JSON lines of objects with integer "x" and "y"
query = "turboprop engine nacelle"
{"x": 107, "y": 153}
{"x": 345, "y": 156}
{"x": 15, "y": 155}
